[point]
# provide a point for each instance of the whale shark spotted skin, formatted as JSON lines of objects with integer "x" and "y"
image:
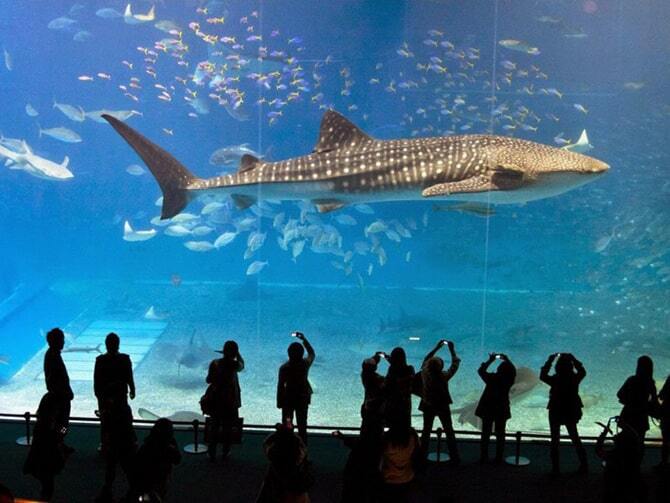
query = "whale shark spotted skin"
{"x": 348, "y": 166}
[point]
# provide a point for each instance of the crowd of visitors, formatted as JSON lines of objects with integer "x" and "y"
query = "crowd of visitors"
{"x": 384, "y": 458}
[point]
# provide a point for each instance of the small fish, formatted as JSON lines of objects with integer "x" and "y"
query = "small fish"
{"x": 30, "y": 111}
{"x": 9, "y": 64}
{"x": 520, "y": 46}
{"x": 224, "y": 239}
{"x": 177, "y": 231}
{"x": 199, "y": 246}
{"x": 76, "y": 114}
{"x": 256, "y": 267}
{"x": 82, "y": 36}
{"x": 135, "y": 170}
{"x": 85, "y": 78}
{"x": 580, "y": 108}
{"x": 108, "y": 13}
{"x": 633, "y": 86}
{"x": 61, "y": 133}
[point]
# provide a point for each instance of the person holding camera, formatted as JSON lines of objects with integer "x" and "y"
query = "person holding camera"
{"x": 398, "y": 390}
{"x": 224, "y": 398}
{"x": 436, "y": 399}
{"x": 294, "y": 392}
{"x": 372, "y": 410}
{"x": 565, "y": 404}
{"x": 494, "y": 404}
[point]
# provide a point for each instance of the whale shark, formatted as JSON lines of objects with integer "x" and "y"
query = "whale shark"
{"x": 347, "y": 166}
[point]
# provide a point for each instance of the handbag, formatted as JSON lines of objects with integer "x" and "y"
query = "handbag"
{"x": 208, "y": 401}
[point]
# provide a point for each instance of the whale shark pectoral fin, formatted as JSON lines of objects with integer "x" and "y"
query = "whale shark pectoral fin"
{"x": 243, "y": 202}
{"x": 328, "y": 205}
{"x": 337, "y": 131}
{"x": 474, "y": 184}
{"x": 508, "y": 177}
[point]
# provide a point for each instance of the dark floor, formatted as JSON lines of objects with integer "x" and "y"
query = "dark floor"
{"x": 238, "y": 479}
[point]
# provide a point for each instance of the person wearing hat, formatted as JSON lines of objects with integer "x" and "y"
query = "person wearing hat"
{"x": 226, "y": 397}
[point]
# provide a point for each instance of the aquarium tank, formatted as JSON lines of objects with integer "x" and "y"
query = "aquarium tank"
{"x": 489, "y": 241}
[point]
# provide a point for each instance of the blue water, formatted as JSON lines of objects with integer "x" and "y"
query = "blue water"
{"x": 586, "y": 271}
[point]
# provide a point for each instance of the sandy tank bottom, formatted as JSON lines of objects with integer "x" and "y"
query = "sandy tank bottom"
{"x": 345, "y": 325}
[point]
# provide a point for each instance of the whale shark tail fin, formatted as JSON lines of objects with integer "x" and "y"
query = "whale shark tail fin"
{"x": 171, "y": 175}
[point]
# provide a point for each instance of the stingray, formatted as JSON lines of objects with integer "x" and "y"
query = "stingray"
{"x": 180, "y": 415}
{"x": 524, "y": 382}
{"x": 197, "y": 354}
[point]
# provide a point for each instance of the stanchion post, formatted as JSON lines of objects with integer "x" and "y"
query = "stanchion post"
{"x": 195, "y": 447}
{"x": 27, "y": 440}
{"x": 517, "y": 459}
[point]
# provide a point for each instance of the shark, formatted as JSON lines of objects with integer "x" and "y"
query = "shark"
{"x": 32, "y": 163}
{"x": 347, "y": 166}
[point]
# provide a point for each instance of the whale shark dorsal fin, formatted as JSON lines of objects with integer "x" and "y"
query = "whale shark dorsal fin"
{"x": 127, "y": 229}
{"x": 337, "y": 131}
{"x": 248, "y": 162}
{"x": 128, "y": 12}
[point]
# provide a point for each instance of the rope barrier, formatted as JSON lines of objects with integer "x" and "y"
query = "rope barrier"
{"x": 29, "y": 417}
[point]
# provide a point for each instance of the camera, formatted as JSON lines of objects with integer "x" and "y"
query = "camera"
{"x": 498, "y": 356}
{"x": 445, "y": 342}
{"x": 295, "y": 334}
{"x": 381, "y": 354}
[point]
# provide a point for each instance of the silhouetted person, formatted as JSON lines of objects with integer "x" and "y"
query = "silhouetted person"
{"x": 57, "y": 379}
{"x": 436, "y": 399}
{"x": 112, "y": 379}
{"x": 152, "y": 465}
{"x": 294, "y": 392}
{"x": 664, "y": 397}
{"x": 398, "y": 390}
{"x": 565, "y": 404}
{"x": 361, "y": 476}
{"x": 494, "y": 405}
{"x": 637, "y": 395}
{"x": 226, "y": 398}
{"x": 288, "y": 478}
{"x": 401, "y": 454}
{"x": 47, "y": 455}
{"x": 372, "y": 410}
{"x": 112, "y": 382}
{"x": 622, "y": 479}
